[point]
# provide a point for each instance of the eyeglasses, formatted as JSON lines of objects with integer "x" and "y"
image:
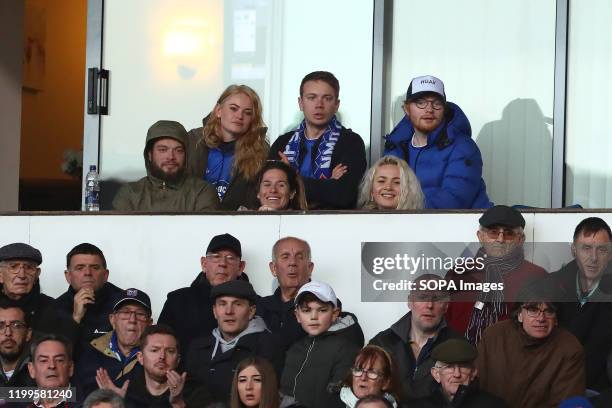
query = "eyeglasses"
{"x": 464, "y": 368}
{"x": 14, "y": 326}
{"x": 508, "y": 233}
{"x": 15, "y": 267}
{"x": 436, "y": 104}
{"x": 216, "y": 258}
{"x": 533, "y": 311}
{"x": 371, "y": 374}
{"x": 127, "y": 314}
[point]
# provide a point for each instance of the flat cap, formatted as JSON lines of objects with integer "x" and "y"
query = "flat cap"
{"x": 454, "y": 351}
{"x": 502, "y": 215}
{"x": 19, "y": 250}
{"x": 235, "y": 288}
{"x": 225, "y": 241}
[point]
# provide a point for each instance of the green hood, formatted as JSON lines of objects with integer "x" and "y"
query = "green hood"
{"x": 162, "y": 129}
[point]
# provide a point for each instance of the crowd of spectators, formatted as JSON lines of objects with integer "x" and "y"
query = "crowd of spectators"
{"x": 542, "y": 341}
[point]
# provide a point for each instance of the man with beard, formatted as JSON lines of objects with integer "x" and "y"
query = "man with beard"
{"x": 14, "y": 356}
{"x": 112, "y": 356}
{"x": 167, "y": 187}
{"x": 503, "y": 263}
{"x": 90, "y": 298}
{"x": 413, "y": 337}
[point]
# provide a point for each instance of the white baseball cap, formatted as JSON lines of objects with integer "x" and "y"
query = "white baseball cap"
{"x": 425, "y": 84}
{"x": 321, "y": 290}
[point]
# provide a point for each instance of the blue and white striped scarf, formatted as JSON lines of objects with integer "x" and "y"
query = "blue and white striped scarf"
{"x": 325, "y": 149}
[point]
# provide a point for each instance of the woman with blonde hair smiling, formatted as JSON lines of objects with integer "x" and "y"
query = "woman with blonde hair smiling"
{"x": 231, "y": 147}
{"x": 390, "y": 185}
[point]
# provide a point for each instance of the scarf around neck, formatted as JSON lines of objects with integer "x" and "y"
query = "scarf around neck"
{"x": 325, "y": 148}
{"x": 492, "y": 305}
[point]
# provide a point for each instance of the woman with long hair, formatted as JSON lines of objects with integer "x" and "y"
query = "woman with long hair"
{"x": 255, "y": 385}
{"x": 231, "y": 147}
{"x": 390, "y": 185}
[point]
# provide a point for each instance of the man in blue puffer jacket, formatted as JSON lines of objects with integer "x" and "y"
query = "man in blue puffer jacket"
{"x": 435, "y": 139}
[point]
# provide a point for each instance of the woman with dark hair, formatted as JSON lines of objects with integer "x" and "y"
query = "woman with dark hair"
{"x": 373, "y": 373}
{"x": 279, "y": 187}
{"x": 231, "y": 148}
{"x": 255, "y": 385}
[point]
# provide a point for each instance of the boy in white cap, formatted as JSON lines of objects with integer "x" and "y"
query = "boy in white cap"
{"x": 326, "y": 355}
{"x": 435, "y": 139}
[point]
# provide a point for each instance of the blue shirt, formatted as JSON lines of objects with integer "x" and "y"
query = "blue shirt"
{"x": 219, "y": 167}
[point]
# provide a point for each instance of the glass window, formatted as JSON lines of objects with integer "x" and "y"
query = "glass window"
{"x": 497, "y": 62}
{"x": 588, "y": 141}
{"x": 171, "y": 59}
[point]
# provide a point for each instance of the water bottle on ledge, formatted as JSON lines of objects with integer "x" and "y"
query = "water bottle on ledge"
{"x": 92, "y": 190}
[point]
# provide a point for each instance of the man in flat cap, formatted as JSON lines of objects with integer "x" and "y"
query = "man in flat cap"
{"x": 108, "y": 359}
{"x": 212, "y": 359}
{"x": 19, "y": 272}
{"x": 502, "y": 262}
{"x": 455, "y": 371}
{"x": 167, "y": 186}
{"x": 189, "y": 310}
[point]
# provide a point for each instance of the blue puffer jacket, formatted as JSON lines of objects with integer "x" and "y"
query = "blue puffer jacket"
{"x": 449, "y": 168}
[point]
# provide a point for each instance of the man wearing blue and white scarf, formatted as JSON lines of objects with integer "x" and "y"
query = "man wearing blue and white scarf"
{"x": 329, "y": 157}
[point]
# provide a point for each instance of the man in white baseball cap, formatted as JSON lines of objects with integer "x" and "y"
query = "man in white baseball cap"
{"x": 435, "y": 138}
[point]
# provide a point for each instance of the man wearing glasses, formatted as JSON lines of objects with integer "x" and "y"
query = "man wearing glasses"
{"x": 583, "y": 295}
{"x": 189, "y": 310}
{"x": 503, "y": 263}
{"x": 19, "y": 272}
{"x": 109, "y": 358}
{"x": 455, "y": 372}
{"x": 14, "y": 355}
{"x": 435, "y": 139}
{"x": 412, "y": 338}
{"x": 528, "y": 360}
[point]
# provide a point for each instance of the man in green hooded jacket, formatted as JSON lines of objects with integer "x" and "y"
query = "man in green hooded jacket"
{"x": 167, "y": 186}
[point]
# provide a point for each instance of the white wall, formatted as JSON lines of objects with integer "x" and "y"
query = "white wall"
{"x": 161, "y": 253}
{"x": 11, "y": 53}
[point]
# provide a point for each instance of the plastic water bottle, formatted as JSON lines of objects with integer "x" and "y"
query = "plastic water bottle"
{"x": 92, "y": 190}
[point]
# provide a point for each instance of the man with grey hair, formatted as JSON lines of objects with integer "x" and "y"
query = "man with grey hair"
{"x": 292, "y": 266}
{"x": 501, "y": 236}
{"x": 103, "y": 399}
{"x": 19, "y": 273}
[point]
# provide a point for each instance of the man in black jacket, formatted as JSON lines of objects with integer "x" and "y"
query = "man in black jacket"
{"x": 90, "y": 298}
{"x": 329, "y": 157}
{"x": 412, "y": 338}
{"x": 189, "y": 310}
{"x": 19, "y": 272}
{"x": 14, "y": 354}
{"x": 212, "y": 359}
{"x": 583, "y": 291}
{"x": 454, "y": 373}
{"x": 291, "y": 265}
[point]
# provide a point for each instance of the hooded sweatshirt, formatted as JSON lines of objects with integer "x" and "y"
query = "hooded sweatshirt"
{"x": 211, "y": 360}
{"x": 152, "y": 194}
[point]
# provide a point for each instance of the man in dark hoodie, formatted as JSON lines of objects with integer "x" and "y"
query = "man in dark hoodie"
{"x": 327, "y": 354}
{"x": 90, "y": 297}
{"x": 412, "y": 338}
{"x": 14, "y": 354}
{"x": 167, "y": 186}
{"x": 212, "y": 359}
{"x": 189, "y": 310}
{"x": 19, "y": 272}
